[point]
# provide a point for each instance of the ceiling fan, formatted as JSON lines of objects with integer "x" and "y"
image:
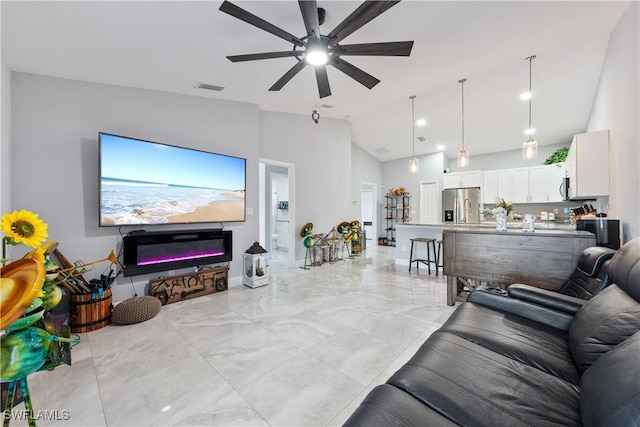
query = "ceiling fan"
{"x": 319, "y": 50}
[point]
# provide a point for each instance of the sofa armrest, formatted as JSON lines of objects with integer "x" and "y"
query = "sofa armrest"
{"x": 527, "y": 309}
{"x": 550, "y": 299}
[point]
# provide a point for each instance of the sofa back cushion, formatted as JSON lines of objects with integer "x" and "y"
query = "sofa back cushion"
{"x": 611, "y": 316}
{"x": 610, "y": 388}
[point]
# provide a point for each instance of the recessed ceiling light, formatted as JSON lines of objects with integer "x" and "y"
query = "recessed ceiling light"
{"x": 530, "y": 131}
{"x": 440, "y": 147}
{"x": 525, "y": 96}
{"x": 421, "y": 122}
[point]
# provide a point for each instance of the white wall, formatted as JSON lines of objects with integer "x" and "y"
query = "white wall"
{"x": 507, "y": 159}
{"x": 395, "y": 173}
{"x": 5, "y": 136}
{"x": 321, "y": 154}
{"x": 366, "y": 169}
{"x": 616, "y": 107}
{"x": 55, "y": 160}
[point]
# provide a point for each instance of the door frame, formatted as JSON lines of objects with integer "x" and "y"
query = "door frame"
{"x": 291, "y": 173}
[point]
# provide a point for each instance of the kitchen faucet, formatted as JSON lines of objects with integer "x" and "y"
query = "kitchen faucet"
{"x": 466, "y": 216}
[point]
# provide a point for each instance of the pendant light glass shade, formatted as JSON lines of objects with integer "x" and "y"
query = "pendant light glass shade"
{"x": 530, "y": 149}
{"x": 413, "y": 165}
{"x": 530, "y": 146}
{"x": 413, "y": 161}
{"x": 463, "y": 158}
{"x": 463, "y": 155}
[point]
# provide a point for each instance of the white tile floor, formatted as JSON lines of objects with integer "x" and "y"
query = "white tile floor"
{"x": 304, "y": 350}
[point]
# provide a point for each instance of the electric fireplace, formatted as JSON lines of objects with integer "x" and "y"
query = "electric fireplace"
{"x": 149, "y": 252}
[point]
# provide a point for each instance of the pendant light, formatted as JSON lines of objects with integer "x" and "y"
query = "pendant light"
{"x": 413, "y": 161}
{"x": 463, "y": 155}
{"x": 530, "y": 146}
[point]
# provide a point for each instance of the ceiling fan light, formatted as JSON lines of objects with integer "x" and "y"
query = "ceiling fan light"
{"x": 530, "y": 149}
{"x": 316, "y": 56}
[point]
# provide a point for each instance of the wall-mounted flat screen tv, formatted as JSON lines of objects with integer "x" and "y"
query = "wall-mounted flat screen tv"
{"x": 144, "y": 183}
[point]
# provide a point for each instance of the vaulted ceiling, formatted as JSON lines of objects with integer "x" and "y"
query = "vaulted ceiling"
{"x": 175, "y": 45}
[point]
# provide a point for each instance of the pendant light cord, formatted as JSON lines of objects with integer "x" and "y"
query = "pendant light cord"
{"x": 530, "y": 59}
{"x": 413, "y": 126}
{"x": 462, "y": 84}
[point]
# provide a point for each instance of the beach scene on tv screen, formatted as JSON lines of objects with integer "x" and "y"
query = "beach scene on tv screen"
{"x": 150, "y": 183}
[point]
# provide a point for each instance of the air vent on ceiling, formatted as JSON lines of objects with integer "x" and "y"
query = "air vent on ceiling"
{"x": 210, "y": 87}
{"x": 326, "y": 106}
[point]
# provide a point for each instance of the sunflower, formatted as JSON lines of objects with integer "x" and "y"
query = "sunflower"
{"x": 24, "y": 227}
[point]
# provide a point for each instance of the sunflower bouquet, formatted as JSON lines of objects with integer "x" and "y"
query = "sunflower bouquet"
{"x": 28, "y": 291}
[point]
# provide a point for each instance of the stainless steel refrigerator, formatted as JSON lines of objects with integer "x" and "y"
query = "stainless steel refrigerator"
{"x": 461, "y": 205}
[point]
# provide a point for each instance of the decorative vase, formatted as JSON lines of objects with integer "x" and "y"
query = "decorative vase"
{"x": 500, "y": 214}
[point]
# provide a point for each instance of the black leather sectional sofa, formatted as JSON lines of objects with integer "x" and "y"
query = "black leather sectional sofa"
{"x": 527, "y": 358}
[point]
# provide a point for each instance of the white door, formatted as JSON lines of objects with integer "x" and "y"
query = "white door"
{"x": 429, "y": 203}
{"x": 368, "y": 211}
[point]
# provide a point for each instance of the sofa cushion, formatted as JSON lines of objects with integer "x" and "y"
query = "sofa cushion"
{"x": 389, "y": 406}
{"x": 472, "y": 385}
{"x": 515, "y": 337}
{"x": 602, "y": 323}
{"x": 610, "y": 388}
{"x": 624, "y": 269}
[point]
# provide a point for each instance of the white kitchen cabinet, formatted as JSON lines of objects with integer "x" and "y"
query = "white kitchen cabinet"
{"x": 464, "y": 179}
{"x": 496, "y": 184}
{"x": 588, "y": 165}
{"x": 489, "y": 187}
{"x": 545, "y": 182}
{"x": 520, "y": 185}
{"x": 504, "y": 185}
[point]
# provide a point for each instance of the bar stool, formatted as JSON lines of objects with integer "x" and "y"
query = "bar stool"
{"x": 439, "y": 262}
{"x": 427, "y": 261}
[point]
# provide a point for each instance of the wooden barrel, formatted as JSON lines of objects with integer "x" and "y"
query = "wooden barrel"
{"x": 90, "y": 311}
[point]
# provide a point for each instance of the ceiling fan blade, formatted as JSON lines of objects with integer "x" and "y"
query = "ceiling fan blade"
{"x": 323, "y": 81}
{"x": 264, "y": 55}
{"x": 367, "y": 11}
{"x": 250, "y": 18}
{"x": 309, "y": 10}
{"x": 288, "y": 76}
{"x": 375, "y": 49}
{"x": 355, "y": 73}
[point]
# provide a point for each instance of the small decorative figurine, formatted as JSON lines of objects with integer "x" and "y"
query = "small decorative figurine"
{"x": 527, "y": 223}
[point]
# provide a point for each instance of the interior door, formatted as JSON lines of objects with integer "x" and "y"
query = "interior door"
{"x": 429, "y": 203}
{"x": 368, "y": 213}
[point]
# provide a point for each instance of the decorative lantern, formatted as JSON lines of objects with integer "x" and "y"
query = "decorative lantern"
{"x": 255, "y": 270}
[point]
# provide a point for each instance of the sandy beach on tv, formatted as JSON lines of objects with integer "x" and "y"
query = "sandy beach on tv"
{"x": 223, "y": 210}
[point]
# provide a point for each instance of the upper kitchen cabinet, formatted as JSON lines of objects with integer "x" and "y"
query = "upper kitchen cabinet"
{"x": 463, "y": 179}
{"x": 546, "y": 183}
{"x": 588, "y": 165}
{"x": 496, "y": 184}
{"x": 520, "y": 185}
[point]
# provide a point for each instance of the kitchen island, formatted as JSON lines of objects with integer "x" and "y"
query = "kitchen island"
{"x": 543, "y": 258}
{"x": 475, "y": 254}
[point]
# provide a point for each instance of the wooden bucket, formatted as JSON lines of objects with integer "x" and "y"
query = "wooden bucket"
{"x": 89, "y": 312}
